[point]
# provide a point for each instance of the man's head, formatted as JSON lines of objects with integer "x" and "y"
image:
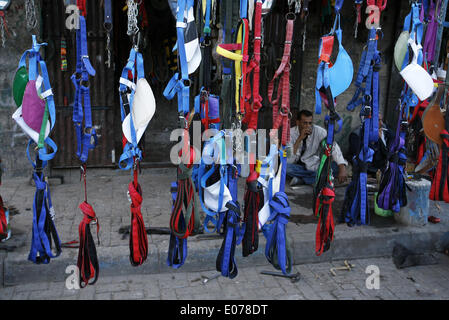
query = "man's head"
{"x": 304, "y": 120}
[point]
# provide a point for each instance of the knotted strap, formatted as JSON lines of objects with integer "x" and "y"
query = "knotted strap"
{"x": 138, "y": 242}
{"x": 277, "y": 249}
{"x": 253, "y": 203}
{"x": 233, "y": 236}
{"x": 44, "y": 230}
{"x": 325, "y": 227}
{"x": 3, "y": 222}
{"x": 392, "y": 193}
{"x": 186, "y": 197}
{"x": 323, "y": 197}
{"x": 177, "y": 250}
{"x": 87, "y": 254}
{"x": 185, "y": 200}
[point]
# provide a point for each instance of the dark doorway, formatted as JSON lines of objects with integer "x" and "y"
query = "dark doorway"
{"x": 158, "y": 32}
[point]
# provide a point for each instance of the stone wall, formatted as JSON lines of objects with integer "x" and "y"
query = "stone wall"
{"x": 12, "y": 140}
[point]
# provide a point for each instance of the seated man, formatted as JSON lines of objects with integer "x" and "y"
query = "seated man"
{"x": 380, "y": 147}
{"x": 305, "y": 158}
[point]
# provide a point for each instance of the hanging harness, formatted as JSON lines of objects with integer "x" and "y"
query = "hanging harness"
{"x": 392, "y": 192}
{"x": 440, "y": 183}
{"x": 358, "y": 15}
{"x": 184, "y": 220}
{"x": 3, "y": 221}
{"x": 44, "y": 236}
{"x": 282, "y": 115}
{"x": 3, "y": 213}
{"x": 229, "y": 15}
{"x": 207, "y": 105}
{"x": 86, "y": 140}
{"x": 324, "y": 191}
{"x": 277, "y": 249}
{"x": 356, "y": 206}
{"x": 132, "y": 155}
{"x": 86, "y": 135}
{"x": 431, "y": 31}
{"x": 233, "y": 234}
{"x": 252, "y": 98}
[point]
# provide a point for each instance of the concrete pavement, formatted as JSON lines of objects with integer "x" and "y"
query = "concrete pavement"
{"x": 316, "y": 283}
{"x": 107, "y": 194}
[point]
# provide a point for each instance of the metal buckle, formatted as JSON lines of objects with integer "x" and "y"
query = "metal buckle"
{"x": 183, "y": 121}
{"x": 206, "y": 43}
{"x": 367, "y": 111}
{"x": 186, "y": 82}
{"x": 284, "y": 111}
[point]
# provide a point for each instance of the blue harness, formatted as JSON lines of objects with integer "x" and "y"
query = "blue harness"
{"x": 86, "y": 136}
{"x": 179, "y": 84}
{"x": 392, "y": 193}
{"x": 356, "y": 207}
{"x": 234, "y": 228}
{"x": 177, "y": 248}
{"x": 44, "y": 230}
{"x": 35, "y": 61}
{"x": 131, "y": 151}
{"x": 277, "y": 250}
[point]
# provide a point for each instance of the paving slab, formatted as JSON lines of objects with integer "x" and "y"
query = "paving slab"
{"x": 107, "y": 193}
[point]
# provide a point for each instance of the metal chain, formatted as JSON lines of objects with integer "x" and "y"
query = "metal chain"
{"x": 304, "y": 36}
{"x": 133, "y": 12}
{"x": 30, "y": 11}
{"x": 108, "y": 50}
{"x": 298, "y": 6}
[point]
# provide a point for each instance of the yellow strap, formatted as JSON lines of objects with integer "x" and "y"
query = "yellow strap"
{"x": 238, "y": 70}
{"x": 258, "y": 166}
{"x": 237, "y": 57}
{"x": 229, "y": 54}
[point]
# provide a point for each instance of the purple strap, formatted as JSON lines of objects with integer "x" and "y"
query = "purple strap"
{"x": 431, "y": 34}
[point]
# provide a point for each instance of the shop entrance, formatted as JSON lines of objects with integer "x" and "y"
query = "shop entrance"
{"x": 158, "y": 36}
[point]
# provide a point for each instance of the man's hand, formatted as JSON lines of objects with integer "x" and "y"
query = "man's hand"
{"x": 303, "y": 134}
{"x": 306, "y": 132}
{"x": 342, "y": 175}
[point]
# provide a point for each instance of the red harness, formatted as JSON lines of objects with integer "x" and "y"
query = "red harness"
{"x": 3, "y": 223}
{"x": 181, "y": 226}
{"x": 138, "y": 241}
{"x": 87, "y": 253}
{"x": 252, "y": 108}
{"x": 381, "y": 4}
{"x": 325, "y": 228}
{"x": 81, "y": 4}
{"x": 281, "y": 116}
{"x": 439, "y": 190}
